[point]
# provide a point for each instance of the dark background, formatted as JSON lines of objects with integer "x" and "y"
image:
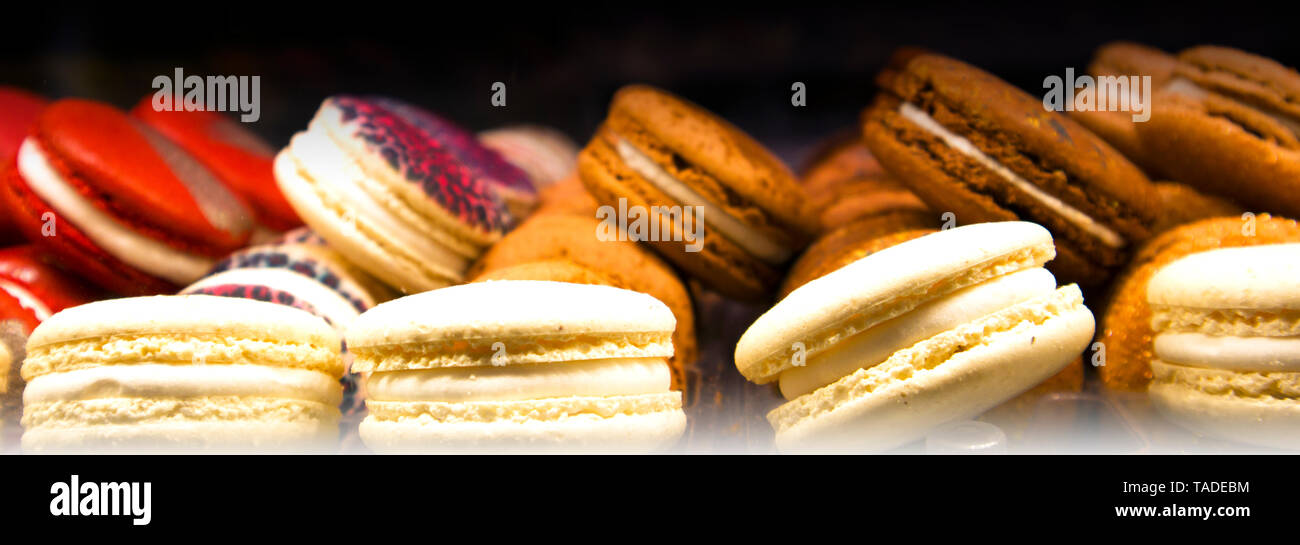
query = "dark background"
{"x": 562, "y": 62}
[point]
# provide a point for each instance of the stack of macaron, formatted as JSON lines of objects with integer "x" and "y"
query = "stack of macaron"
{"x": 181, "y": 372}
{"x": 533, "y": 365}
{"x": 1226, "y": 359}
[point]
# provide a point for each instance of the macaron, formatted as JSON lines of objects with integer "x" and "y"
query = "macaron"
{"x": 930, "y": 331}
{"x": 855, "y": 240}
{"x": 625, "y": 264}
{"x": 970, "y": 144}
{"x": 1227, "y": 343}
{"x": 483, "y": 163}
{"x": 848, "y": 184}
{"x": 567, "y": 196}
{"x": 117, "y": 202}
{"x": 1117, "y": 128}
{"x": 188, "y": 372}
{"x": 537, "y": 366}
{"x": 13, "y": 339}
{"x": 1229, "y": 124}
{"x": 546, "y": 154}
{"x": 1182, "y": 203}
{"x": 1126, "y": 323}
{"x": 388, "y": 195}
{"x": 32, "y": 290}
{"x": 235, "y": 154}
{"x": 657, "y": 150}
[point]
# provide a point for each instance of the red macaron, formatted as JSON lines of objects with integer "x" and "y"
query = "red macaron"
{"x": 237, "y": 156}
{"x": 117, "y": 202}
{"x": 18, "y": 112}
{"x": 31, "y": 290}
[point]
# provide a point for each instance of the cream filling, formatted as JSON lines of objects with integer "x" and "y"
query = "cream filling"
{"x": 875, "y": 345}
{"x": 150, "y": 380}
{"x": 26, "y": 299}
{"x": 1188, "y": 88}
{"x": 1263, "y": 354}
{"x": 961, "y": 144}
{"x": 604, "y": 377}
{"x": 119, "y": 240}
{"x": 735, "y": 230}
{"x": 332, "y": 171}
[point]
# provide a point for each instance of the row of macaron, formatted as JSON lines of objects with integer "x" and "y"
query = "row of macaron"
{"x": 872, "y": 356}
{"x": 924, "y": 130}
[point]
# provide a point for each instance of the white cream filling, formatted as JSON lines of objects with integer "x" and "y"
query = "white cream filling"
{"x": 119, "y": 240}
{"x": 735, "y": 230}
{"x": 1263, "y": 354}
{"x": 605, "y": 377}
{"x": 333, "y": 171}
{"x": 875, "y": 345}
{"x": 26, "y": 299}
{"x": 1188, "y": 88}
{"x": 961, "y": 144}
{"x": 154, "y": 380}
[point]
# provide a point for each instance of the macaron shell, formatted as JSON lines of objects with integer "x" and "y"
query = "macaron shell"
{"x": 952, "y": 376}
{"x": 1230, "y": 405}
{"x": 1261, "y": 277}
{"x": 595, "y": 322}
{"x": 1214, "y": 145}
{"x": 1126, "y": 323}
{"x": 19, "y": 111}
{"x": 234, "y": 154}
{"x": 640, "y": 423}
{"x": 546, "y": 154}
{"x": 485, "y": 163}
{"x": 388, "y": 140}
{"x": 855, "y": 240}
{"x": 26, "y": 266}
{"x": 250, "y": 435}
{"x": 1181, "y": 204}
{"x": 141, "y": 177}
{"x": 1253, "y": 79}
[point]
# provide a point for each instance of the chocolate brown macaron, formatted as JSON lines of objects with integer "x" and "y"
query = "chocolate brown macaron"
{"x": 1125, "y": 327}
{"x": 1117, "y": 127}
{"x": 971, "y": 144}
{"x": 1228, "y": 123}
{"x": 657, "y": 150}
{"x": 625, "y": 264}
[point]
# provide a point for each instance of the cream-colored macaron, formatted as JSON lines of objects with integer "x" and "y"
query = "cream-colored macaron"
{"x": 188, "y": 372}
{"x": 512, "y": 365}
{"x": 933, "y": 330}
{"x": 1227, "y": 343}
